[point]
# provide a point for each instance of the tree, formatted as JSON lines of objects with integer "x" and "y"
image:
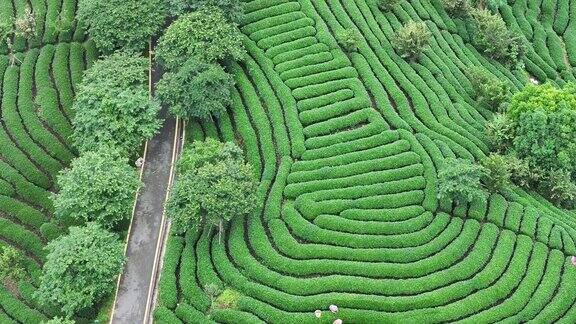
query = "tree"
{"x": 197, "y": 89}
{"x": 493, "y": 37}
{"x": 411, "y": 40}
{"x": 500, "y": 132}
{"x": 457, "y": 7}
{"x": 545, "y": 127}
{"x": 26, "y": 25}
{"x": 118, "y": 70}
{"x": 211, "y": 189}
{"x": 348, "y": 39}
{"x": 545, "y": 97}
{"x": 459, "y": 180}
{"x": 387, "y": 5}
{"x": 59, "y": 320}
{"x": 489, "y": 90}
{"x": 209, "y": 151}
{"x": 99, "y": 187}
{"x": 116, "y": 24}
{"x": 113, "y": 108}
{"x": 205, "y": 35}
{"x": 498, "y": 172}
{"x": 560, "y": 187}
{"x": 547, "y": 140}
{"x": 80, "y": 268}
{"x": 232, "y": 9}
{"x": 11, "y": 264}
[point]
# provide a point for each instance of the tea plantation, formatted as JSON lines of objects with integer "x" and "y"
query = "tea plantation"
{"x": 347, "y": 137}
{"x": 37, "y": 85}
{"x": 347, "y": 146}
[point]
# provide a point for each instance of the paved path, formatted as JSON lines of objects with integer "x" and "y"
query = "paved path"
{"x": 140, "y": 272}
{"x": 135, "y": 283}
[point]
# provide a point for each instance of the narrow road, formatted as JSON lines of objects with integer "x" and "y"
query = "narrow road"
{"x": 145, "y": 237}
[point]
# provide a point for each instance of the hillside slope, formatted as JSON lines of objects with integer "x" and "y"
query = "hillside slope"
{"x": 347, "y": 148}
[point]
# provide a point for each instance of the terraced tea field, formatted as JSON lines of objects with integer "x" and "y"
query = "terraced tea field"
{"x": 347, "y": 147}
{"x": 36, "y": 101}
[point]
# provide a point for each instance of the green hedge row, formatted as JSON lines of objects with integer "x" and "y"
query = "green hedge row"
{"x": 17, "y": 310}
{"x": 167, "y": 287}
{"x": 21, "y": 237}
{"x": 47, "y": 96}
{"x": 15, "y": 127}
{"x": 49, "y": 142}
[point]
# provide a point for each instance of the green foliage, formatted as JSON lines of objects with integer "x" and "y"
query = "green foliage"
{"x": 457, "y": 7}
{"x": 520, "y": 172}
{"x": 387, "y": 5}
{"x": 210, "y": 151}
{"x": 6, "y": 30}
{"x": 118, "y": 70}
{"x": 492, "y": 5}
{"x": 547, "y": 140}
{"x": 500, "y": 132}
{"x": 459, "y": 180}
{"x": 99, "y": 187}
{"x": 25, "y": 25}
{"x": 498, "y": 172}
{"x": 211, "y": 189}
{"x": 197, "y": 89}
{"x": 489, "y": 90}
{"x": 113, "y": 107}
{"x": 11, "y": 264}
{"x": 545, "y": 97}
{"x": 116, "y": 24}
{"x": 80, "y": 268}
{"x": 205, "y": 35}
{"x": 560, "y": 187}
{"x": 348, "y": 39}
{"x": 59, "y": 320}
{"x": 228, "y": 299}
{"x": 232, "y": 9}
{"x": 493, "y": 37}
{"x": 212, "y": 290}
{"x": 412, "y": 39}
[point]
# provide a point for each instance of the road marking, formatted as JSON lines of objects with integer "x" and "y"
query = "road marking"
{"x": 162, "y": 235}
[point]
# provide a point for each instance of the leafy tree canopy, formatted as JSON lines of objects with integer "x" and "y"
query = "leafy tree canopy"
{"x": 545, "y": 97}
{"x": 489, "y": 90}
{"x": 547, "y": 140}
{"x": 59, "y": 320}
{"x": 205, "y": 35}
{"x": 545, "y": 126}
{"x": 500, "y": 132}
{"x": 459, "y": 180}
{"x": 80, "y": 268}
{"x": 498, "y": 172}
{"x": 348, "y": 39}
{"x": 212, "y": 189}
{"x": 457, "y": 7}
{"x": 232, "y": 9}
{"x": 387, "y": 5}
{"x": 127, "y": 24}
{"x": 210, "y": 151}
{"x": 11, "y": 264}
{"x": 493, "y": 37}
{"x": 99, "y": 186}
{"x": 113, "y": 107}
{"x": 118, "y": 70}
{"x": 197, "y": 89}
{"x": 412, "y": 39}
